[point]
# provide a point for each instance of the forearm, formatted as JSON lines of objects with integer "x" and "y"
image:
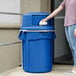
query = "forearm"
{"x": 54, "y": 13}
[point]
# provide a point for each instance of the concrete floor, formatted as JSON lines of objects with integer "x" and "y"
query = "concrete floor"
{"x": 58, "y": 70}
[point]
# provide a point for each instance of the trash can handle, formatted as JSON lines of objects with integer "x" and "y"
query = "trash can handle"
{"x": 38, "y": 30}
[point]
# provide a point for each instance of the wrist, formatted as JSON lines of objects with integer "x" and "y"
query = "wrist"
{"x": 46, "y": 19}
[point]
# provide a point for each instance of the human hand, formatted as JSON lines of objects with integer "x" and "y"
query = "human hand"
{"x": 75, "y": 32}
{"x": 43, "y": 22}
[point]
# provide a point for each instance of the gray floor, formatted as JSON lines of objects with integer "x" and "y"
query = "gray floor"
{"x": 1, "y": 74}
{"x": 58, "y": 70}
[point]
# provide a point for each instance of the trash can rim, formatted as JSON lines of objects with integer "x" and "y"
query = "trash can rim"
{"x": 37, "y": 30}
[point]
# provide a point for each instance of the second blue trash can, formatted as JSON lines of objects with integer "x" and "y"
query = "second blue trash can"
{"x": 37, "y": 43}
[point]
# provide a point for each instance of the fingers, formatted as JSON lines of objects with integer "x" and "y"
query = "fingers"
{"x": 75, "y": 32}
{"x": 43, "y": 22}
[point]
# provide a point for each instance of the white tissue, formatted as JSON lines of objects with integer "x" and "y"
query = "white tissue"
{"x": 42, "y": 23}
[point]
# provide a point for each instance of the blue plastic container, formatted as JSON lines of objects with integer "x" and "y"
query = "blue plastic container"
{"x": 33, "y": 18}
{"x": 37, "y": 45}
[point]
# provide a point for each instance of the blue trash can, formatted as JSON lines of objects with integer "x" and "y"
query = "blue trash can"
{"x": 37, "y": 43}
{"x": 33, "y": 18}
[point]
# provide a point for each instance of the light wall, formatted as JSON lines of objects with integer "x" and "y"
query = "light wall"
{"x": 9, "y": 20}
{"x": 9, "y": 49}
{"x": 35, "y": 6}
{"x": 10, "y": 46}
{"x": 45, "y": 6}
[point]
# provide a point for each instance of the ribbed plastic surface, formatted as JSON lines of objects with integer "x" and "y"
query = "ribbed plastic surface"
{"x": 33, "y": 19}
{"x": 37, "y": 47}
{"x": 37, "y": 51}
